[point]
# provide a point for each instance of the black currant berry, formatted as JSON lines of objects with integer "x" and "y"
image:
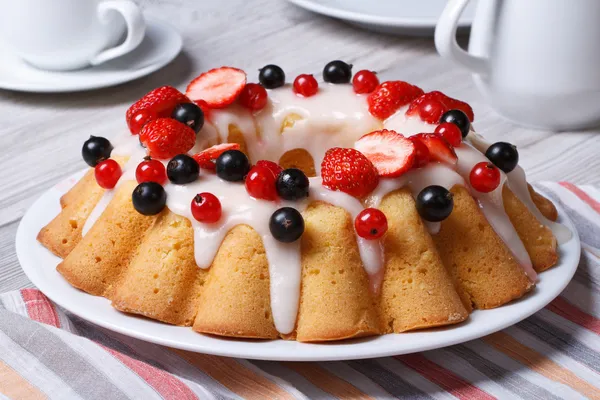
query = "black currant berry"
{"x": 182, "y": 169}
{"x": 232, "y": 166}
{"x": 96, "y": 149}
{"x": 149, "y": 198}
{"x": 337, "y": 72}
{"x": 286, "y": 225}
{"x": 504, "y": 156}
{"x": 190, "y": 114}
{"x": 459, "y": 119}
{"x": 271, "y": 76}
{"x": 434, "y": 203}
{"x": 292, "y": 184}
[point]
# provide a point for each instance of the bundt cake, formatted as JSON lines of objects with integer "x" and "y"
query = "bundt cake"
{"x": 308, "y": 211}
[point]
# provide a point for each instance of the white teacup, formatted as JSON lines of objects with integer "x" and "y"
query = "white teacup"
{"x": 70, "y": 34}
{"x": 536, "y": 61}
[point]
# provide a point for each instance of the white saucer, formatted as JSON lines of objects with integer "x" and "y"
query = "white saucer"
{"x": 405, "y": 17}
{"x": 160, "y": 46}
{"x": 39, "y": 265}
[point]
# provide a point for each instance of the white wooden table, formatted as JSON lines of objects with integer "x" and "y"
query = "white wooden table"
{"x": 41, "y": 134}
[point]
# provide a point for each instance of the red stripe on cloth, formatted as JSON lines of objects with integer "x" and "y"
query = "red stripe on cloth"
{"x": 39, "y": 308}
{"x": 567, "y": 310}
{"x": 582, "y": 195}
{"x": 167, "y": 386}
{"x": 449, "y": 381}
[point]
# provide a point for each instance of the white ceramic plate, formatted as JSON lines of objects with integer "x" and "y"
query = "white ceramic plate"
{"x": 407, "y": 17}
{"x": 160, "y": 46}
{"x": 39, "y": 265}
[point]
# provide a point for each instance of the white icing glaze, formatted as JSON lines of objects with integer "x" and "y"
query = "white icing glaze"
{"x": 335, "y": 117}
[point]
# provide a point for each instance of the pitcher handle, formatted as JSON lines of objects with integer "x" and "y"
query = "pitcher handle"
{"x": 445, "y": 39}
{"x": 136, "y": 28}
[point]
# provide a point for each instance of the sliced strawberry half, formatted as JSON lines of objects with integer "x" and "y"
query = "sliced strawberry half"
{"x": 448, "y": 103}
{"x": 388, "y": 97}
{"x": 390, "y": 152}
{"x": 218, "y": 87}
{"x": 439, "y": 148}
{"x": 207, "y": 158}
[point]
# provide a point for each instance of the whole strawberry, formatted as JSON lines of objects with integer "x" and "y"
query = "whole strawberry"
{"x": 165, "y": 138}
{"x": 159, "y": 103}
{"x": 348, "y": 171}
{"x": 388, "y": 97}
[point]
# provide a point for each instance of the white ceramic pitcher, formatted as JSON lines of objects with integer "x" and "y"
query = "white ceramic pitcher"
{"x": 537, "y": 62}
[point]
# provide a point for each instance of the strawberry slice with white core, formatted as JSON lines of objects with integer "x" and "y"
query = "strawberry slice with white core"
{"x": 439, "y": 149}
{"x": 391, "y": 153}
{"x": 218, "y": 87}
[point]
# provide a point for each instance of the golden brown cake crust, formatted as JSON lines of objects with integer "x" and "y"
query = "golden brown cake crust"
{"x": 417, "y": 291}
{"x": 483, "y": 267}
{"x": 546, "y": 207}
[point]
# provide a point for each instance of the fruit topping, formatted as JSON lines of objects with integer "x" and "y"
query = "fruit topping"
{"x": 159, "y": 103}
{"x": 458, "y": 118}
{"x": 107, "y": 173}
{"x": 439, "y": 148}
{"x": 349, "y": 171}
{"x": 189, "y": 114}
{"x": 253, "y": 97}
{"x": 422, "y": 156}
{"x": 166, "y": 137}
{"x": 292, "y": 184}
{"x": 182, "y": 169}
{"x": 450, "y": 132}
{"x": 149, "y": 198}
{"x": 273, "y": 166}
{"x": 504, "y": 156}
{"x": 388, "y": 97}
{"x": 218, "y": 87}
{"x": 371, "y": 224}
{"x": 207, "y": 158}
{"x": 306, "y": 85}
{"x": 232, "y": 166}
{"x": 150, "y": 170}
{"x": 337, "y": 72}
{"x": 484, "y": 177}
{"x": 364, "y": 81}
{"x": 260, "y": 183}
{"x": 96, "y": 149}
{"x": 286, "y": 225}
{"x": 434, "y": 203}
{"x": 271, "y": 76}
{"x": 430, "y": 106}
{"x": 390, "y": 152}
{"x": 206, "y": 208}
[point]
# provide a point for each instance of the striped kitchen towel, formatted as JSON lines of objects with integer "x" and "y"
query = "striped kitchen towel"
{"x": 46, "y": 352}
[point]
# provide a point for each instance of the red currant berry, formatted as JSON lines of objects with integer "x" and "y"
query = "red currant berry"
{"x": 484, "y": 177}
{"x": 273, "y": 166}
{"x": 422, "y": 156}
{"x": 371, "y": 223}
{"x": 450, "y": 132}
{"x": 253, "y": 96}
{"x": 141, "y": 118}
{"x": 364, "y": 81}
{"x": 306, "y": 85}
{"x": 206, "y": 207}
{"x": 431, "y": 110}
{"x": 151, "y": 170}
{"x": 107, "y": 173}
{"x": 260, "y": 183}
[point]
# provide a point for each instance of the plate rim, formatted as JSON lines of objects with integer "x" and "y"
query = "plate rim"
{"x": 377, "y": 346}
{"x": 396, "y": 22}
{"x": 128, "y": 76}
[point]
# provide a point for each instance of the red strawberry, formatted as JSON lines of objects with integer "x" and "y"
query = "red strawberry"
{"x": 273, "y": 166}
{"x": 388, "y": 97}
{"x": 422, "y": 156}
{"x": 205, "y": 108}
{"x": 390, "y": 152}
{"x": 165, "y": 138}
{"x": 439, "y": 148}
{"x": 218, "y": 87}
{"x": 159, "y": 103}
{"x": 448, "y": 103}
{"x": 207, "y": 158}
{"x": 349, "y": 171}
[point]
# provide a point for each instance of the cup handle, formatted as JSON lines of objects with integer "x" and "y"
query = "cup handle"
{"x": 136, "y": 28}
{"x": 445, "y": 39}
